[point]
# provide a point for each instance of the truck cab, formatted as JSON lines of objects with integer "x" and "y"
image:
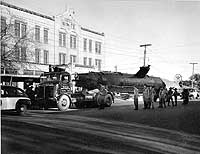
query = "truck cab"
{"x": 54, "y": 90}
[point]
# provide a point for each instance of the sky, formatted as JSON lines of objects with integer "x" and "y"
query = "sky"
{"x": 171, "y": 26}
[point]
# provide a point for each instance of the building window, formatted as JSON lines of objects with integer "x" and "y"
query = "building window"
{"x": 20, "y": 29}
{"x": 62, "y": 39}
{"x": 17, "y": 53}
{"x": 98, "y": 64}
{"x": 85, "y": 61}
{"x": 73, "y": 26}
{"x": 20, "y": 53}
{"x": 72, "y": 59}
{"x": 84, "y": 44}
{"x": 3, "y": 26}
{"x": 3, "y": 51}
{"x": 17, "y": 28}
{"x": 37, "y": 55}
{"x": 90, "y": 61}
{"x": 23, "y": 30}
{"x": 98, "y": 47}
{"x": 37, "y": 33}
{"x": 62, "y": 57}
{"x": 72, "y": 41}
{"x": 46, "y": 57}
{"x": 23, "y": 54}
{"x": 45, "y": 35}
{"x": 90, "y": 45}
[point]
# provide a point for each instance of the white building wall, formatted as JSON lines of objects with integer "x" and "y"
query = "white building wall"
{"x": 31, "y": 21}
{"x": 93, "y": 54}
{"x": 55, "y": 26}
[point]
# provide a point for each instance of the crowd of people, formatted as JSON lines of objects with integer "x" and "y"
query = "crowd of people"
{"x": 164, "y": 96}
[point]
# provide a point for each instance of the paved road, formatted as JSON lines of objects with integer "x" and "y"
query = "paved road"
{"x": 118, "y": 129}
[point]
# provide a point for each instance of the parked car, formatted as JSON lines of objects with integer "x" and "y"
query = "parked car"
{"x": 13, "y": 98}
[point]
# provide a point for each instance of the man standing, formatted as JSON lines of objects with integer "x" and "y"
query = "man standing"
{"x": 153, "y": 97}
{"x": 185, "y": 95}
{"x": 31, "y": 94}
{"x": 146, "y": 96}
{"x": 162, "y": 97}
{"x": 136, "y": 98}
{"x": 102, "y": 93}
{"x": 175, "y": 96}
{"x": 169, "y": 97}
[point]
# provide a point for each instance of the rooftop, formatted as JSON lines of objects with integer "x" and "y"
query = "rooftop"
{"x": 26, "y": 10}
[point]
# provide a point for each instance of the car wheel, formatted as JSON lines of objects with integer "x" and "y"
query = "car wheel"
{"x": 63, "y": 102}
{"x": 21, "y": 109}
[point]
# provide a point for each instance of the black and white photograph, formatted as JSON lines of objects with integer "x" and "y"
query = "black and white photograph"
{"x": 100, "y": 76}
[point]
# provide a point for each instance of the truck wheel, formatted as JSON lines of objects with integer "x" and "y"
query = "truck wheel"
{"x": 108, "y": 100}
{"x": 21, "y": 109}
{"x": 63, "y": 103}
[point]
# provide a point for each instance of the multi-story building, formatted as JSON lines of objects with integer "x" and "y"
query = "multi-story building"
{"x": 57, "y": 40}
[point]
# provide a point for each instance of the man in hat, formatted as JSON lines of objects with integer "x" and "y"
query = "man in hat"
{"x": 175, "y": 94}
{"x": 146, "y": 96}
{"x": 153, "y": 97}
{"x": 136, "y": 94}
{"x": 169, "y": 97}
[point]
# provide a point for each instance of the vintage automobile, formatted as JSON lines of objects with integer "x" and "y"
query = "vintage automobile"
{"x": 13, "y": 98}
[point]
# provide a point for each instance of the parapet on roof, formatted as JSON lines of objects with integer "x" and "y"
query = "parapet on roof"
{"x": 26, "y": 10}
{"x": 43, "y": 16}
{"x": 91, "y": 31}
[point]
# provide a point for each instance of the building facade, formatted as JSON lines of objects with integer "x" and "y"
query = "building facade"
{"x": 57, "y": 40}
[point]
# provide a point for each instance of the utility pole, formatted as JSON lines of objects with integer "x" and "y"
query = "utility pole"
{"x": 193, "y": 72}
{"x": 145, "y": 47}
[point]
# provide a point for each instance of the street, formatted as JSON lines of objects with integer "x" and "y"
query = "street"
{"x": 118, "y": 129}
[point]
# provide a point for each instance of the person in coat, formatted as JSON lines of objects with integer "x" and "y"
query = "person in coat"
{"x": 169, "y": 97}
{"x": 153, "y": 97}
{"x": 136, "y": 94}
{"x": 185, "y": 95}
{"x": 175, "y": 94}
{"x": 146, "y": 97}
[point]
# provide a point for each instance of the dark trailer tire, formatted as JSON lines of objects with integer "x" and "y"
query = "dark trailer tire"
{"x": 108, "y": 100}
{"x": 105, "y": 100}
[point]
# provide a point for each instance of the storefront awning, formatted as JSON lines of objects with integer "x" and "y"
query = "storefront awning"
{"x": 19, "y": 78}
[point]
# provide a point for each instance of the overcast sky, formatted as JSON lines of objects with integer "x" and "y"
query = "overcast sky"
{"x": 171, "y": 26}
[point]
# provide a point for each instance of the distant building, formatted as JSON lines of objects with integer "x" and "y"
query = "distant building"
{"x": 58, "y": 40}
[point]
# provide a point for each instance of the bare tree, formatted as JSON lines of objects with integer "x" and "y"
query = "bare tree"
{"x": 17, "y": 42}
